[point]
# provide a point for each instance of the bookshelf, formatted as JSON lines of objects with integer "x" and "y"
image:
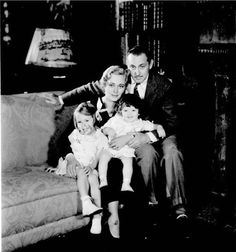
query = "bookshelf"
{"x": 141, "y": 22}
{"x": 217, "y": 38}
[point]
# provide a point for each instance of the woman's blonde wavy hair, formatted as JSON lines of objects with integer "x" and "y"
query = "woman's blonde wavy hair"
{"x": 116, "y": 69}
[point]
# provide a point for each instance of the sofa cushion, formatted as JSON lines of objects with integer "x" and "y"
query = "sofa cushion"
{"x": 32, "y": 197}
{"x": 27, "y": 124}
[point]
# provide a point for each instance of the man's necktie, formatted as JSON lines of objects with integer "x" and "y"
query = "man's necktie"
{"x": 136, "y": 89}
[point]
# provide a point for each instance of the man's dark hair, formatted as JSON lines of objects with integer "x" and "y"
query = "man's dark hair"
{"x": 138, "y": 50}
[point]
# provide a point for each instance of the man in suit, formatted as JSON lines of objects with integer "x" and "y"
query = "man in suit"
{"x": 157, "y": 92}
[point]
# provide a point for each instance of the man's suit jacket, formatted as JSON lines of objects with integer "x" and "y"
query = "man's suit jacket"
{"x": 159, "y": 102}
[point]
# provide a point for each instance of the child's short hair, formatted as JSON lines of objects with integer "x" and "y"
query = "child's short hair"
{"x": 85, "y": 108}
{"x": 129, "y": 100}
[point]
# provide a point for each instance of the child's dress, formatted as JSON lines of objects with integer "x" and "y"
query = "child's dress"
{"x": 122, "y": 128}
{"x": 86, "y": 148}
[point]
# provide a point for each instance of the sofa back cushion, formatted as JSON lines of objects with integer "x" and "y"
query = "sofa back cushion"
{"x": 27, "y": 124}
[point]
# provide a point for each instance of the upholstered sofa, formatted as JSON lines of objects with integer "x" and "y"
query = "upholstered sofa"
{"x": 35, "y": 204}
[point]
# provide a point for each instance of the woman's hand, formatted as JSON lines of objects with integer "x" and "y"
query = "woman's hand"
{"x": 52, "y": 99}
{"x": 119, "y": 142}
{"x": 138, "y": 140}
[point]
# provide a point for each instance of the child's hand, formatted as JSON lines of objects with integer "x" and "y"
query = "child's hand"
{"x": 87, "y": 170}
{"x": 161, "y": 132}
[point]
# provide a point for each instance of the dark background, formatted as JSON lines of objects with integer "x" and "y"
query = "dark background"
{"x": 96, "y": 45}
{"x": 97, "y": 42}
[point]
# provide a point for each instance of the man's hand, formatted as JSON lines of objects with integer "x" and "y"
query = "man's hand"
{"x": 138, "y": 140}
{"x": 119, "y": 142}
{"x": 161, "y": 132}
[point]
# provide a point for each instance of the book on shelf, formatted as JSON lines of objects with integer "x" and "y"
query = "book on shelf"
{"x": 139, "y": 16}
{"x": 140, "y": 23}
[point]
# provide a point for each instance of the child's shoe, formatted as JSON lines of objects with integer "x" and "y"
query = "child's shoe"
{"x": 89, "y": 208}
{"x": 96, "y": 227}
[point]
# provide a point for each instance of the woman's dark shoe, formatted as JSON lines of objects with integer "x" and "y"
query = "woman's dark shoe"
{"x": 114, "y": 227}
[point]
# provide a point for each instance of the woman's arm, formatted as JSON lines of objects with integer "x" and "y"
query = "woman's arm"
{"x": 86, "y": 92}
{"x": 119, "y": 142}
{"x": 109, "y": 132}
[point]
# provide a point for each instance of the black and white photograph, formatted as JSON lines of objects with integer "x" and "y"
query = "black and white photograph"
{"x": 118, "y": 125}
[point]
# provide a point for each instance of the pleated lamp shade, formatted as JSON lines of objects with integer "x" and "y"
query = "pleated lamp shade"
{"x": 51, "y": 48}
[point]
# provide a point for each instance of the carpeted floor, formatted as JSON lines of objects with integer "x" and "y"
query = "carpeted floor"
{"x": 157, "y": 234}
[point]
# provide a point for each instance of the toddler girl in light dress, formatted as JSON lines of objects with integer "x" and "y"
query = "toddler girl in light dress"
{"x": 86, "y": 141}
{"x": 127, "y": 121}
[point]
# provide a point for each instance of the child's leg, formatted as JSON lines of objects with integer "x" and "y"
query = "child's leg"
{"x": 82, "y": 183}
{"x": 105, "y": 157}
{"x": 94, "y": 187}
{"x": 127, "y": 173}
{"x": 88, "y": 208}
{"x": 96, "y": 226}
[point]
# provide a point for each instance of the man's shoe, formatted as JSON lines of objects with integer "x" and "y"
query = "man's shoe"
{"x": 181, "y": 216}
{"x": 182, "y": 223}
